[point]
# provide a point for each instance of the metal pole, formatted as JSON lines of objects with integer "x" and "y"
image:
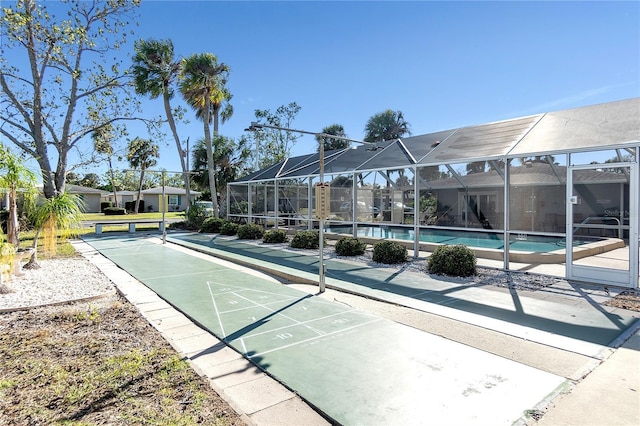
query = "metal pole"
{"x": 321, "y": 137}
{"x": 321, "y": 268}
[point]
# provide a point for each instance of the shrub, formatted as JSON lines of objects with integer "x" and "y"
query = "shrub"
{"x": 306, "y": 240}
{"x": 389, "y": 252}
{"x": 131, "y": 205}
{"x": 182, "y": 225}
{"x": 275, "y": 236}
{"x": 4, "y": 219}
{"x": 114, "y": 211}
{"x": 105, "y": 205}
{"x": 455, "y": 260}
{"x": 212, "y": 225}
{"x": 196, "y": 215}
{"x": 349, "y": 246}
{"x": 229, "y": 228}
{"x": 250, "y": 231}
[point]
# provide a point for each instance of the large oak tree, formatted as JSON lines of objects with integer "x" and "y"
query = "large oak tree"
{"x": 64, "y": 81}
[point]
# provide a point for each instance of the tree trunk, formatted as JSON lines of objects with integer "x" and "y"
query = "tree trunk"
{"x": 210, "y": 166}
{"x": 137, "y": 205}
{"x": 174, "y": 131}
{"x": 13, "y": 226}
{"x": 214, "y": 195}
{"x": 33, "y": 262}
{"x": 113, "y": 183}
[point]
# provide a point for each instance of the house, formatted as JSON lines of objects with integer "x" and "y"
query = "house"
{"x": 176, "y": 198}
{"x": 120, "y": 198}
{"x": 90, "y": 196}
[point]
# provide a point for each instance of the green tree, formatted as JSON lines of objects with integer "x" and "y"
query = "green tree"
{"x": 129, "y": 181}
{"x": 271, "y": 145}
{"x": 103, "y": 144}
{"x": 331, "y": 143}
{"x": 71, "y": 85}
{"x": 476, "y": 167}
{"x": 202, "y": 84}
{"x": 155, "y": 72}
{"x": 230, "y": 159}
{"x": 54, "y": 216}
{"x": 90, "y": 180}
{"x": 143, "y": 153}
{"x": 386, "y": 126}
{"x": 15, "y": 177}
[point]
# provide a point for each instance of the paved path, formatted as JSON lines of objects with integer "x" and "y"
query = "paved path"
{"x": 356, "y": 367}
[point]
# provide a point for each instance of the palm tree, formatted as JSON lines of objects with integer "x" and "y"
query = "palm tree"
{"x": 202, "y": 84}
{"x": 59, "y": 214}
{"x": 14, "y": 177}
{"x": 330, "y": 143}
{"x": 229, "y": 156}
{"x": 385, "y": 126}
{"x": 155, "y": 70}
{"x": 102, "y": 142}
{"x": 142, "y": 155}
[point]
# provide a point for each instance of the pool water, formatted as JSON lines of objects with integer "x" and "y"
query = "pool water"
{"x": 530, "y": 243}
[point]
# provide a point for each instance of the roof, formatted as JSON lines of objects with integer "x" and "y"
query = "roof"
{"x": 595, "y": 127}
{"x": 168, "y": 190}
{"x": 77, "y": 189}
{"x": 535, "y": 174}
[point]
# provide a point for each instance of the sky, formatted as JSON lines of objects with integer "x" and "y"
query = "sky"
{"x": 442, "y": 64}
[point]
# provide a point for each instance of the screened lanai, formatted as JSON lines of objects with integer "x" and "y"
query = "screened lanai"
{"x": 555, "y": 193}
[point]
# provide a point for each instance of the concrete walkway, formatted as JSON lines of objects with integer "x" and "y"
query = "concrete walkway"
{"x": 569, "y": 320}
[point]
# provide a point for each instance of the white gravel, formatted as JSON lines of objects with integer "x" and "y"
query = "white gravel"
{"x": 58, "y": 280}
{"x": 485, "y": 276}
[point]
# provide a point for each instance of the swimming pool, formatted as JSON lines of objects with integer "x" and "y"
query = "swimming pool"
{"x": 523, "y": 247}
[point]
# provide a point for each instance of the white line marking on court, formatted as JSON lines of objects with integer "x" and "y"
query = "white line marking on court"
{"x": 215, "y": 307}
{"x": 245, "y": 308}
{"x": 314, "y": 338}
{"x": 319, "y": 332}
{"x": 303, "y": 323}
{"x": 244, "y": 347}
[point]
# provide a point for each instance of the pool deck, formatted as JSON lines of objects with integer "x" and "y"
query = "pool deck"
{"x": 496, "y": 252}
{"x": 242, "y": 329}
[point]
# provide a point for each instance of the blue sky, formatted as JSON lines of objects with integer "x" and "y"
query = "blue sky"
{"x": 443, "y": 64}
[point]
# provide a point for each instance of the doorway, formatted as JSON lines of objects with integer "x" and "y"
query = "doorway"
{"x": 602, "y": 211}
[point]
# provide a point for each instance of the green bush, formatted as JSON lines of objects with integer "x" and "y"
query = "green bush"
{"x": 389, "y": 252}
{"x": 212, "y": 225}
{"x": 455, "y": 260}
{"x": 250, "y": 231}
{"x": 196, "y": 215}
{"x": 306, "y": 240}
{"x": 130, "y": 206}
{"x": 229, "y": 228}
{"x": 114, "y": 211}
{"x": 349, "y": 246}
{"x": 275, "y": 236}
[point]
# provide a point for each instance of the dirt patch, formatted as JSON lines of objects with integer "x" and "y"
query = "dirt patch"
{"x": 628, "y": 299}
{"x": 98, "y": 363}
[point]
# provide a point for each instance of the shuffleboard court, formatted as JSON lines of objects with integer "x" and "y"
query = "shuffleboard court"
{"x": 355, "y": 367}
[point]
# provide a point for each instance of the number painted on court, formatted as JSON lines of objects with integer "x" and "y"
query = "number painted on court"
{"x": 283, "y": 336}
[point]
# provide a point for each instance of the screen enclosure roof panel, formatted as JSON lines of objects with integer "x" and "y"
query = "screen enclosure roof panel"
{"x": 592, "y": 127}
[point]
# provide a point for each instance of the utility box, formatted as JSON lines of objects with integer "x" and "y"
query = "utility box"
{"x": 323, "y": 201}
